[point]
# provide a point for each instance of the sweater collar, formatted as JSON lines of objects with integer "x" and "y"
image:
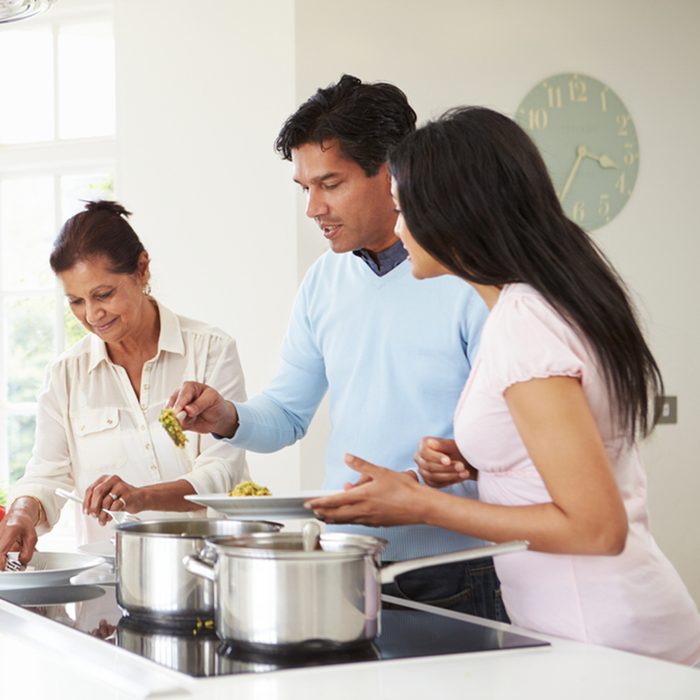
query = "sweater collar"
{"x": 386, "y": 261}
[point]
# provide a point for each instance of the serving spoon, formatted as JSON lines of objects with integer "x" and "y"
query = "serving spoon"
{"x": 310, "y": 534}
{"x": 119, "y": 516}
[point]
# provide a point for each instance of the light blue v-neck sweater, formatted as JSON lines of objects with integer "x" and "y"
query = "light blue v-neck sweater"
{"x": 394, "y": 353}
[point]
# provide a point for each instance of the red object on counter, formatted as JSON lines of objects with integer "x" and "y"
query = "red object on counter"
{"x": 2, "y": 512}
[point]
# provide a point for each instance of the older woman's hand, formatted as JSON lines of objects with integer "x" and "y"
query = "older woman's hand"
{"x": 382, "y": 497}
{"x": 17, "y": 534}
{"x": 441, "y": 464}
{"x": 111, "y": 492}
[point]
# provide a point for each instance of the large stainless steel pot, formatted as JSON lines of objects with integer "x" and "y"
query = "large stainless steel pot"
{"x": 151, "y": 580}
{"x": 271, "y": 592}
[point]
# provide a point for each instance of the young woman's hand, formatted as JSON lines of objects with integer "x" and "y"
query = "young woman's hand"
{"x": 382, "y": 497}
{"x": 440, "y": 462}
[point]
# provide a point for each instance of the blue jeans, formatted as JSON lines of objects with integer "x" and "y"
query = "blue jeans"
{"x": 469, "y": 587}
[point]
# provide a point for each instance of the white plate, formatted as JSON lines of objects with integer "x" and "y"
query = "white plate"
{"x": 99, "y": 549}
{"x": 246, "y": 507}
{"x": 51, "y": 569}
{"x": 58, "y": 595}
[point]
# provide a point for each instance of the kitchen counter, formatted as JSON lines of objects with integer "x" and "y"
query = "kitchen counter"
{"x": 40, "y": 658}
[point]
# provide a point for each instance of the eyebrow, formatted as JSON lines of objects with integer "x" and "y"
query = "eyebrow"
{"x": 320, "y": 178}
{"x": 104, "y": 287}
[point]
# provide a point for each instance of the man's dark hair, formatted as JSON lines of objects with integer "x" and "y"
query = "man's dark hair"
{"x": 367, "y": 120}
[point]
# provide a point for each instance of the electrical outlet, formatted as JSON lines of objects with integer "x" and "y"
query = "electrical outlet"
{"x": 668, "y": 409}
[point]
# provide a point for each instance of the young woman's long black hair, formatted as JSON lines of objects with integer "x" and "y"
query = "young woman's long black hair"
{"x": 476, "y": 195}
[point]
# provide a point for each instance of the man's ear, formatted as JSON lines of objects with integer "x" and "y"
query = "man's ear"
{"x": 385, "y": 174}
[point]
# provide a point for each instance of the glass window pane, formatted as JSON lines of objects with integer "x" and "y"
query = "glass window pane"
{"x": 26, "y": 85}
{"x": 20, "y": 440}
{"x": 86, "y": 80}
{"x": 77, "y": 189}
{"x": 27, "y": 232}
{"x": 29, "y": 333}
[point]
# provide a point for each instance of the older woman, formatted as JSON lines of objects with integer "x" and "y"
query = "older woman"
{"x": 97, "y": 426}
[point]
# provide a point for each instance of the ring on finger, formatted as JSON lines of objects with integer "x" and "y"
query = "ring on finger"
{"x": 113, "y": 496}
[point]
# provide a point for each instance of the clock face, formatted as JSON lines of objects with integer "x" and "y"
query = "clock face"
{"x": 588, "y": 141}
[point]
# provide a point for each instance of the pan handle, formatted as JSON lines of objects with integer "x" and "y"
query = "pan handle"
{"x": 389, "y": 573}
{"x": 199, "y": 567}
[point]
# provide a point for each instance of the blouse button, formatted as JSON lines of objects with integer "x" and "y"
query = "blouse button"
{"x": 109, "y": 421}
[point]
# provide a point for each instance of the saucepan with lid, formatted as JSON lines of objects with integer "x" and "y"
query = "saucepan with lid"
{"x": 272, "y": 592}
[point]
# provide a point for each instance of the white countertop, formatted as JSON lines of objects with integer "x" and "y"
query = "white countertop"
{"x": 40, "y": 658}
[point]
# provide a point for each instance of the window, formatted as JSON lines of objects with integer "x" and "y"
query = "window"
{"x": 57, "y": 147}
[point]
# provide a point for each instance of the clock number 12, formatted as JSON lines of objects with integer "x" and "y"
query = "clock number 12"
{"x": 578, "y": 90}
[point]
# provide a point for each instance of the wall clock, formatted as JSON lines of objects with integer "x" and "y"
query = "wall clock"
{"x": 588, "y": 141}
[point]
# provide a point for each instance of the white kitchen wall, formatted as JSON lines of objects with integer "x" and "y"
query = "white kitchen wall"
{"x": 448, "y": 52}
{"x": 202, "y": 88}
{"x": 201, "y": 98}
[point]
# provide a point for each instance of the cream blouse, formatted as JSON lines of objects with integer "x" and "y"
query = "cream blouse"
{"x": 90, "y": 421}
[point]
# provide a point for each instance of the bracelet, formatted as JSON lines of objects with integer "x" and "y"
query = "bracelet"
{"x": 42, "y": 512}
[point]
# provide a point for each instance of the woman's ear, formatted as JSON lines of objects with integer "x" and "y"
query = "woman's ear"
{"x": 143, "y": 271}
{"x": 143, "y": 266}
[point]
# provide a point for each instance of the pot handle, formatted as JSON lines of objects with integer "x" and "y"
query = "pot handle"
{"x": 199, "y": 567}
{"x": 389, "y": 573}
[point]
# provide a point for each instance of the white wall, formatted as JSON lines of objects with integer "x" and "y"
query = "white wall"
{"x": 202, "y": 97}
{"x": 448, "y": 52}
{"x": 202, "y": 89}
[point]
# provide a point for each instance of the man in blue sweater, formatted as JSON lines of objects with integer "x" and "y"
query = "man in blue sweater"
{"x": 393, "y": 353}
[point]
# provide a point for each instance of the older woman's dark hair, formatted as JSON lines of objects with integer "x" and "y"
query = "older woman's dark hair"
{"x": 100, "y": 230}
{"x": 476, "y": 195}
{"x": 367, "y": 119}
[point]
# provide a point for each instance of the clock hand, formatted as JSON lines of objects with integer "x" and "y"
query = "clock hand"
{"x": 581, "y": 153}
{"x": 603, "y": 160}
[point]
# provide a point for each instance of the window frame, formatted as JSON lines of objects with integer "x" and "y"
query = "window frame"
{"x": 56, "y": 158}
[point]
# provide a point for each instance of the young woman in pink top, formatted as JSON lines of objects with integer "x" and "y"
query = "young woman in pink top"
{"x": 563, "y": 387}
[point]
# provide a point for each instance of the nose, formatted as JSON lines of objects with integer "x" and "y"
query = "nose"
{"x": 93, "y": 312}
{"x": 315, "y": 204}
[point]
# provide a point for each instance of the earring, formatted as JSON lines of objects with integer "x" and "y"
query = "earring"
{"x": 147, "y": 289}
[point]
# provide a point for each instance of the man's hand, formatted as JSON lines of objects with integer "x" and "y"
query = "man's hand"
{"x": 206, "y": 410}
{"x": 441, "y": 464}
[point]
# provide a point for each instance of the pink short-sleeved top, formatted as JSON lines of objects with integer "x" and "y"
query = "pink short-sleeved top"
{"x": 634, "y": 601}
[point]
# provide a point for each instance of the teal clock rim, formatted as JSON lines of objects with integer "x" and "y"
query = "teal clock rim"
{"x": 630, "y": 169}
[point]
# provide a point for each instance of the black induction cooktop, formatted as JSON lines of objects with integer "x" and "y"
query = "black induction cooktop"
{"x": 196, "y": 650}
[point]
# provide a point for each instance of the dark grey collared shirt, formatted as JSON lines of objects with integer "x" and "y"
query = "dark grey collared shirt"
{"x": 386, "y": 261}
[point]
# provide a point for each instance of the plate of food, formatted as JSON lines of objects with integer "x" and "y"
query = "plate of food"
{"x": 249, "y": 500}
{"x": 49, "y": 569}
